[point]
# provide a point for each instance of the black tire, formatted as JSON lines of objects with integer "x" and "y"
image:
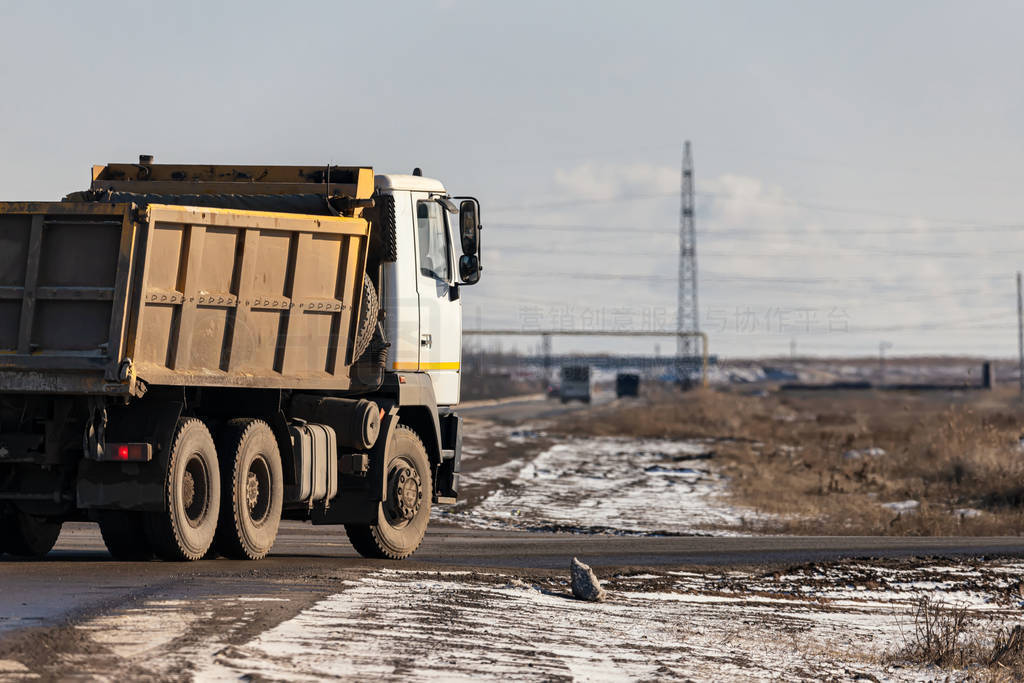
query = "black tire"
{"x": 252, "y": 490}
{"x": 4, "y": 524}
{"x": 124, "y": 534}
{"x": 27, "y": 536}
{"x": 367, "y": 318}
{"x": 402, "y": 519}
{"x": 185, "y": 530}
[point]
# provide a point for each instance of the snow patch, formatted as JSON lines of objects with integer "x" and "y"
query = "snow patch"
{"x": 814, "y": 622}
{"x": 139, "y": 631}
{"x": 873, "y": 452}
{"x": 608, "y": 485}
{"x": 516, "y": 630}
{"x": 903, "y": 506}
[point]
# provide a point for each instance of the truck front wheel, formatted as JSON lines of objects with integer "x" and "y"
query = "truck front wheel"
{"x": 185, "y": 529}
{"x": 252, "y": 490}
{"x": 401, "y": 519}
{"x": 24, "y": 535}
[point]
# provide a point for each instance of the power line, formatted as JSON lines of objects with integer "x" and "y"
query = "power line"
{"x": 720, "y": 278}
{"x": 885, "y": 294}
{"x": 799, "y": 204}
{"x": 746, "y": 253}
{"x": 942, "y": 324}
{"x": 627, "y": 231}
{"x": 998, "y": 321}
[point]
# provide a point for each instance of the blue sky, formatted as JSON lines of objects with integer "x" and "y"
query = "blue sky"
{"x": 857, "y": 163}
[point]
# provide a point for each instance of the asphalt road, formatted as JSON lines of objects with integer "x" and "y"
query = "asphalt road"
{"x": 513, "y": 410}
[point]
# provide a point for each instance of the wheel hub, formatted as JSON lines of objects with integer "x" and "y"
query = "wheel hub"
{"x": 252, "y": 491}
{"x": 406, "y": 490}
{"x": 188, "y": 489}
{"x": 195, "y": 490}
{"x": 255, "y": 492}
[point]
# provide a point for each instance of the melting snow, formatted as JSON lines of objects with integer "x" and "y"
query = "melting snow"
{"x": 902, "y": 506}
{"x": 873, "y": 452}
{"x": 809, "y": 623}
{"x": 542, "y": 635}
{"x": 611, "y": 485}
{"x": 140, "y": 631}
{"x": 513, "y": 630}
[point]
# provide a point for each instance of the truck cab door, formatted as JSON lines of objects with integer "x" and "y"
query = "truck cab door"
{"x": 440, "y": 343}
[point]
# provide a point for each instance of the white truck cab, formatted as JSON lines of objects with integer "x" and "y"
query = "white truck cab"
{"x": 424, "y": 322}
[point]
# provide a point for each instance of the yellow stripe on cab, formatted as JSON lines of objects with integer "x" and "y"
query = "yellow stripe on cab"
{"x": 427, "y": 366}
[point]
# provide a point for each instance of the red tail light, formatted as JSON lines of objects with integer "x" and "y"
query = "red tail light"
{"x": 128, "y": 452}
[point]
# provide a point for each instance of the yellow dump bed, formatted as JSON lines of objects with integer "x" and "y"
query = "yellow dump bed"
{"x": 110, "y": 297}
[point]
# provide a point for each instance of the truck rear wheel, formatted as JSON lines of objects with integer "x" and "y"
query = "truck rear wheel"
{"x": 185, "y": 529}
{"x": 28, "y": 536}
{"x": 124, "y": 534}
{"x": 401, "y": 519}
{"x": 252, "y": 490}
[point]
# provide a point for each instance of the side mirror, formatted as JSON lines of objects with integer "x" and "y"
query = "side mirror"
{"x": 469, "y": 269}
{"x": 469, "y": 227}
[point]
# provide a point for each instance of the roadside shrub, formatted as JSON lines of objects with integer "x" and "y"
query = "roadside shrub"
{"x": 951, "y": 638}
{"x": 939, "y": 636}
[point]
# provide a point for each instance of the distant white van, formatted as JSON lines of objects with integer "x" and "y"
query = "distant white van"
{"x": 575, "y": 383}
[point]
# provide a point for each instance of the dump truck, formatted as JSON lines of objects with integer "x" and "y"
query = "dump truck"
{"x": 575, "y": 383}
{"x": 191, "y": 353}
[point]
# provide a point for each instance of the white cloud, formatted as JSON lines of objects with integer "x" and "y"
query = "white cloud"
{"x": 736, "y": 200}
{"x": 609, "y": 181}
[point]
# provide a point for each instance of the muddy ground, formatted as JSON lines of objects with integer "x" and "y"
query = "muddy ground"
{"x": 849, "y": 620}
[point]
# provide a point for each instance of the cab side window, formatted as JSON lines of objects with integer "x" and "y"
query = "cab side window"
{"x": 432, "y": 234}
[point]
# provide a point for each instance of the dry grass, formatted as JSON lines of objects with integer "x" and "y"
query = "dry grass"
{"x": 485, "y": 386}
{"x": 802, "y": 456}
{"x": 951, "y": 638}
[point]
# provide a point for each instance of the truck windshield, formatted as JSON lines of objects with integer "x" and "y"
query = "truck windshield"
{"x": 433, "y": 240}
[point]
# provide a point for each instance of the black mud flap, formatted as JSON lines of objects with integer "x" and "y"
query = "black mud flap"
{"x": 446, "y": 490}
{"x": 106, "y": 485}
{"x": 120, "y": 486}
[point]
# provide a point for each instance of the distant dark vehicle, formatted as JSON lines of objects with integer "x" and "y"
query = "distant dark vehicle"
{"x": 627, "y": 384}
{"x": 779, "y": 375}
{"x": 575, "y": 383}
{"x": 553, "y": 391}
